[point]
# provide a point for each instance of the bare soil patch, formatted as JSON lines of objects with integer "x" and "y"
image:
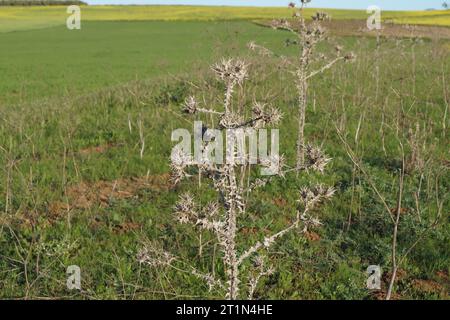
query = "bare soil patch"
{"x": 87, "y": 195}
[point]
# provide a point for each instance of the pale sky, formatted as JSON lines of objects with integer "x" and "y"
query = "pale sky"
{"x": 348, "y": 4}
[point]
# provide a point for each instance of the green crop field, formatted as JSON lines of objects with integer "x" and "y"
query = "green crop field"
{"x": 109, "y": 53}
{"x": 86, "y": 118}
{"x": 25, "y": 18}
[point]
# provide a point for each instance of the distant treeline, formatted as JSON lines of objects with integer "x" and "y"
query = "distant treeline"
{"x": 40, "y": 2}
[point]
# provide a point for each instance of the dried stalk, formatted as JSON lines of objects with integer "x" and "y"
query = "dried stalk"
{"x": 308, "y": 36}
{"x": 233, "y": 185}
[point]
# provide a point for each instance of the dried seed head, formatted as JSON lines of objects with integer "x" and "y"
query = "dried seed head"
{"x": 274, "y": 163}
{"x": 268, "y": 242}
{"x": 266, "y": 116}
{"x": 258, "y": 109}
{"x": 154, "y": 256}
{"x": 180, "y": 158}
{"x": 185, "y": 209}
{"x": 179, "y": 161}
{"x": 321, "y": 16}
{"x": 318, "y": 31}
{"x": 280, "y": 24}
{"x": 310, "y": 197}
{"x": 232, "y": 71}
{"x": 230, "y": 120}
{"x": 315, "y": 159}
{"x": 190, "y": 105}
{"x": 212, "y": 209}
{"x": 258, "y": 183}
{"x": 309, "y": 221}
{"x": 258, "y": 261}
{"x": 273, "y": 116}
{"x": 350, "y": 57}
{"x": 324, "y": 192}
{"x": 252, "y": 45}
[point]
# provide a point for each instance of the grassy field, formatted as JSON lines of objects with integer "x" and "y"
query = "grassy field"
{"x": 26, "y": 18}
{"x": 108, "y": 54}
{"x": 75, "y": 190}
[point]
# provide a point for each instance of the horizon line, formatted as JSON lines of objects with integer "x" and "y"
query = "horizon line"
{"x": 245, "y": 6}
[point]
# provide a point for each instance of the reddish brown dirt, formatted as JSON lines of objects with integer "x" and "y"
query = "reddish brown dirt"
{"x": 446, "y": 163}
{"x": 428, "y": 286}
{"x": 127, "y": 227}
{"x": 381, "y": 295}
{"x": 249, "y": 231}
{"x": 443, "y": 275}
{"x": 86, "y": 195}
{"x": 280, "y": 202}
{"x": 402, "y": 211}
{"x": 312, "y": 236}
{"x": 98, "y": 149}
{"x": 401, "y": 275}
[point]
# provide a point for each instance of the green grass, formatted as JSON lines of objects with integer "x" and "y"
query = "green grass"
{"x": 26, "y": 18}
{"x": 55, "y": 62}
{"x": 63, "y": 92}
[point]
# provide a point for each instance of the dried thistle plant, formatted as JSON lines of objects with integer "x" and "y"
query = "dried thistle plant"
{"x": 304, "y": 66}
{"x": 234, "y": 184}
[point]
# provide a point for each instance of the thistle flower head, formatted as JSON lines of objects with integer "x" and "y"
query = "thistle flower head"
{"x": 315, "y": 159}
{"x": 232, "y": 71}
{"x": 268, "y": 241}
{"x": 275, "y": 164}
{"x": 273, "y": 116}
{"x": 154, "y": 256}
{"x": 321, "y": 16}
{"x": 180, "y": 158}
{"x": 252, "y": 45}
{"x": 212, "y": 209}
{"x": 280, "y": 24}
{"x": 258, "y": 109}
{"x": 230, "y": 120}
{"x": 350, "y": 57}
{"x": 309, "y": 221}
{"x": 185, "y": 209}
{"x": 179, "y": 161}
{"x": 317, "y": 31}
{"x": 310, "y": 197}
{"x": 260, "y": 263}
{"x": 266, "y": 116}
{"x": 190, "y": 105}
